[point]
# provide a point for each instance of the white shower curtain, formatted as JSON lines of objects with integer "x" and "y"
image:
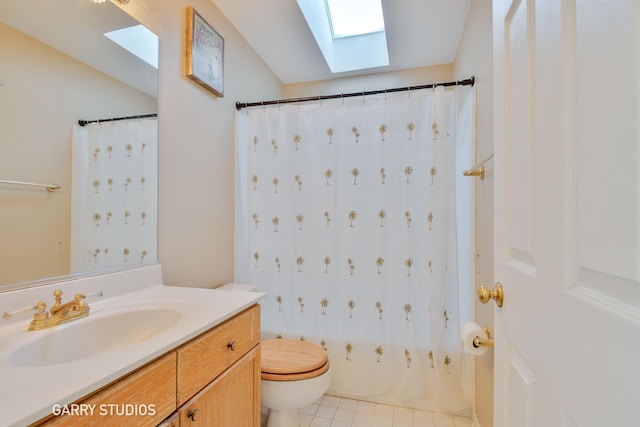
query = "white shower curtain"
{"x": 346, "y": 216}
{"x": 114, "y": 194}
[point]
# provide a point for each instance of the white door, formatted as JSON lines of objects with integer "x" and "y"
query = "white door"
{"x": 567, "y": 212}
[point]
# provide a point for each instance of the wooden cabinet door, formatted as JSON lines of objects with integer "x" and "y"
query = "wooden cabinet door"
{"x": 232, "y": 399}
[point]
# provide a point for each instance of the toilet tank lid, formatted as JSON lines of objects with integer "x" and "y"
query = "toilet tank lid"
{"x": 246, "y": 287}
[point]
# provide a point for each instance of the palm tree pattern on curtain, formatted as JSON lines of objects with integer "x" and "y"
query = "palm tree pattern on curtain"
{"x": 114, "y": 194}
{"x": 359, "y": 255}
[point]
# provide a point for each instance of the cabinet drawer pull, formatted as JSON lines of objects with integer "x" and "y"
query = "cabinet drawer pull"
{"x": 232, "y": 346}
{"x": 192, "y": 414}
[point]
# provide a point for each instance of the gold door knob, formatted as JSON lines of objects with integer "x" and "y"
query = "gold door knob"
{"x": 496, "y": 294}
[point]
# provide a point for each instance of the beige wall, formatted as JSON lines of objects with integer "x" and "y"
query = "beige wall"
{"x": 475, "y": 58}
{"x": 377, "y": 81}
{"x": 196, "y": 191}
{"x": 42, "y": 94}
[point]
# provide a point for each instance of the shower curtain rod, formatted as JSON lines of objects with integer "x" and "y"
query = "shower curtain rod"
{"x": 466, "y": 82}
{"x": 114, "y": 119}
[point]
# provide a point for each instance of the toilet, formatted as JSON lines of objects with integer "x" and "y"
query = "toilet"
{"x": 294, "y": 374}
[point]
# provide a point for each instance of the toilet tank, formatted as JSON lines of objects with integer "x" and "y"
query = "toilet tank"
{"x": 245, "y": 287}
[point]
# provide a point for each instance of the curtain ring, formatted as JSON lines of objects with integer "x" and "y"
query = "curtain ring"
{"x": 409, "y": 90}
{"x": 363, "y": 96}
{"x": 342, "y": 98}
{"x": 385, "y": 93}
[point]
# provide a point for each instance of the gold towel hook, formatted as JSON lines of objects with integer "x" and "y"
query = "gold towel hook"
{"x": 478, "y": 168}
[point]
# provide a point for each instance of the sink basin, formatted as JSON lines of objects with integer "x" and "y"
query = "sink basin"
{"x": 87, "y": 337}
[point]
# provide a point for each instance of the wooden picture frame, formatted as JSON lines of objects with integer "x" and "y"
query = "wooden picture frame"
{"x": 204, "y": 57}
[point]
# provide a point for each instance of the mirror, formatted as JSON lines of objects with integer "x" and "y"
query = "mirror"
{"x": 56, "y": 68}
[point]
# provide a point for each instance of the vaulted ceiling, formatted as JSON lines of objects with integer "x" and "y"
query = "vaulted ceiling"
{"x": 84, "y": 24}
{"x": 419, "y": 33}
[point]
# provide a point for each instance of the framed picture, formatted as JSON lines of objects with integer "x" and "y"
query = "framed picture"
{"x": 204, "y": 54}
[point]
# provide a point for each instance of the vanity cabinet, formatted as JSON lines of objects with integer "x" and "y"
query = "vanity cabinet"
{"x": 232, "y": 399}
{"x": 154, "y": 384}
{"x": 212, "y": 380}
{"x": 219, "y": 375}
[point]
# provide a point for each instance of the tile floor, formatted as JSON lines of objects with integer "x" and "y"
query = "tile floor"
{"x": 331, "y": 411}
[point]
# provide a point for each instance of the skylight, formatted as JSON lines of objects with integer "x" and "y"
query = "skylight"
{"x": 355, "y": 17}
{"x": 350, "y": 33}
{"x": 139, "y": 41}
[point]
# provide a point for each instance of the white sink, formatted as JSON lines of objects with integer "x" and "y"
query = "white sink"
{"x": 90, "y": 336}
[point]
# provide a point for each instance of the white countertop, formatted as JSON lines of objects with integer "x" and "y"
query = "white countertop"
{"x": 29, "y": 393}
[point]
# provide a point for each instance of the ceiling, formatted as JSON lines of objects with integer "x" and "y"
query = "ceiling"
{"x": 419, "y": 33}
{"x": 84, "y": 24}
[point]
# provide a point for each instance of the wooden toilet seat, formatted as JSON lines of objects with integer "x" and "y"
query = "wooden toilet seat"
{"x": 292, "y": 360}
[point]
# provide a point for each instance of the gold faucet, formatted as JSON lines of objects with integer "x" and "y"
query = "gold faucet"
{"x": 59, "y": 312}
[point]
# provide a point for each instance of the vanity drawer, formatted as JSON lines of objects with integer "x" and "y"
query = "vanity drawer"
{"x": 150, "y": 390}
{"x": 201, "y": 360}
